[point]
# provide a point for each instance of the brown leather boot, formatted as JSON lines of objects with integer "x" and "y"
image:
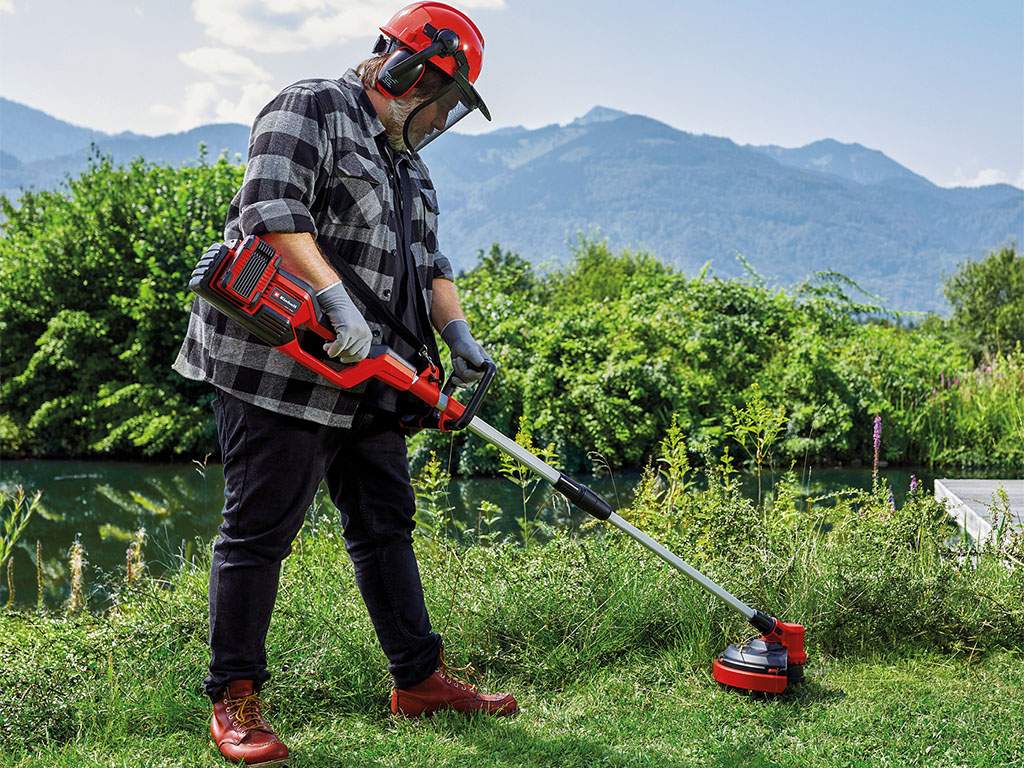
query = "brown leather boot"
{"x": 442, "y": 690}
{"x": 240, "y": 731}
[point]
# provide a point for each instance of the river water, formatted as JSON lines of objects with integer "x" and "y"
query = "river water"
{"x": 103, "y": 503}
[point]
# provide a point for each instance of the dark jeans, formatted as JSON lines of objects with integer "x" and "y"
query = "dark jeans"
{"x": 273, "y": 465}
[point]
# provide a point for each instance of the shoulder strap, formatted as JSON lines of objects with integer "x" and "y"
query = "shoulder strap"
{"x": 351, "y": 279}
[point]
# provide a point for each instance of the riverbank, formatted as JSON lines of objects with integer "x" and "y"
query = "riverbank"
{"x": 103, "y": 504}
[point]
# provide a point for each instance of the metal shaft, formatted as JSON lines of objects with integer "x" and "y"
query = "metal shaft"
{"x": 481, "y": 428}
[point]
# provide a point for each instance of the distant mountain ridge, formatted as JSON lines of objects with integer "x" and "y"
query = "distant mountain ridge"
{"x": 37, "y": 150}
{"x": 693, "y": 198}
{"x": 849, "y": 161}
{"x": 640, "y": 183}
{"x": 29, "y": 134}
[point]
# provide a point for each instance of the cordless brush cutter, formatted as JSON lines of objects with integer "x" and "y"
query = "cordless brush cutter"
{"x": 244, "y": 279}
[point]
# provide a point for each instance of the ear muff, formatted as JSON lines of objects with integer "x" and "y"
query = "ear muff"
{"x": 398, "y": 75}
{"x": 404, "y": 68}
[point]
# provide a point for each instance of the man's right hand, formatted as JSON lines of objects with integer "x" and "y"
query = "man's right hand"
{"x": 353, "y": 334}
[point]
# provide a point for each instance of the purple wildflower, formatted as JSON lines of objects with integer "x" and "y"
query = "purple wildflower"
{"x": 913, "y": 483}
{"x": 892, "y": 502}
{"x": 877, "y": 441}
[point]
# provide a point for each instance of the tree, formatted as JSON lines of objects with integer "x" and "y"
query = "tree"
{"x": 988, "y": 302}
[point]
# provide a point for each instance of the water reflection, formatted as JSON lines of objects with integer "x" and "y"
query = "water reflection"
{"x": 104, "y": 504}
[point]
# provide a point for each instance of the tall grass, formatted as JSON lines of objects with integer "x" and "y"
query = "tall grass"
{"x": 866, "y": 577}
{"x": 975, "y": 418}
{"x": 16, "y": 509}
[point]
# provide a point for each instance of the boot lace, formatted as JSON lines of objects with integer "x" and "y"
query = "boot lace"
{"x": 247, "y": 712}
{"x": 446, "y": 672}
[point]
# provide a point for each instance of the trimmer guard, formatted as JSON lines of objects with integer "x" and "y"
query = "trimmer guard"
{"x": 766, "y": 664}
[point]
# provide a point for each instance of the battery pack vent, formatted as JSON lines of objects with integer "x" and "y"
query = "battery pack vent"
{"x": 251, "y": 273}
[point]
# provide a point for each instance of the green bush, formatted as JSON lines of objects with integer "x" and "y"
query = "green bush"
{"x": 93, "y": 300}
{"x": 594, "y": 357}
{"x": 598, "y": 370}
{"x": 988, "y": 302}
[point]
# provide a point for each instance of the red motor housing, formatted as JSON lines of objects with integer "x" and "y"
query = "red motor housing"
{"x": 768, "y": 663}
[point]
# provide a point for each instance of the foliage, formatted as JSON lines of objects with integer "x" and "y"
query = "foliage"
{"x": 522, "y": 477}
{"x": 594, "y": 369}
{"x": 594, "y": 357}
{"x": 988, "y": 302}
{"x": 76, "y": 567}
{"x": 16, "y": 509}
{"x": 434, "y": 519}
{"x": 93, "y": 300}
{"x": 861, "y": 571}
{"x": 756, "y": 428}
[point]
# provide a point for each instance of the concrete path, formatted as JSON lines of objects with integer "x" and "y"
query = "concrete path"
{"x": 969, "y": 502}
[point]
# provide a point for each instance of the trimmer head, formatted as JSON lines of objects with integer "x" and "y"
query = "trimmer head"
{"x": 766, "y": 664}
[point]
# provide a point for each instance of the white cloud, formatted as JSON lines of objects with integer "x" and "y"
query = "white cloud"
{"x": 195, "y": 109}
{"x": 223, "y": 65}
{"x": 245, "y": 106}
{"x": 210, "y": 102}
{"x": 282, "y": 26}
{"x": 232, "y": 87}
{"x": 6, "y": 6}
{"x": 985, "y": 177}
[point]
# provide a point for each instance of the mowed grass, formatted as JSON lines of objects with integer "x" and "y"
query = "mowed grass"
{"x": 920, "y": 710}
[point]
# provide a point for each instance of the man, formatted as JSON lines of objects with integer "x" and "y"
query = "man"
{"x": 334, "y": 174}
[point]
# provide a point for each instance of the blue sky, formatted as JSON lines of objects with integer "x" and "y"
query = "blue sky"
{"x": 938, "y": 86}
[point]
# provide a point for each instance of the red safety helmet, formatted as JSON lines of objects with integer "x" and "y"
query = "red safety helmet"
{"x": 432, "y": 34}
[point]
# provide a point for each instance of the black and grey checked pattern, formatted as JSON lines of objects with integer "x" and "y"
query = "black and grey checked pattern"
{"x": 315, "y": 165}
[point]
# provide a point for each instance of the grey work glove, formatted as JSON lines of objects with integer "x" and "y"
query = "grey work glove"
{"x": 467, "y": 355}
{"x": 352, "y": 342}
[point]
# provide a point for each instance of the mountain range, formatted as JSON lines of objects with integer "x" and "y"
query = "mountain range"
{"x": 642, "y": 184}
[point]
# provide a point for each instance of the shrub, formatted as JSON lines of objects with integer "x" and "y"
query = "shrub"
{"x": 93, "y": 300}
{"x": 594, "y": 357}
{"x": 988, "y": 302}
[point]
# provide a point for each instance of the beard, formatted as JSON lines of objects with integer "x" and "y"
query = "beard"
{"x": 393, "y": 119}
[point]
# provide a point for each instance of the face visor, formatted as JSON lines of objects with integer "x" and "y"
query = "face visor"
{"x": 437, "y": 114}
{"x": 455, "y": 99}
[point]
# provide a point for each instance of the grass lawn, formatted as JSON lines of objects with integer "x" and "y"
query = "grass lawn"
{"x": 918, "y": 710}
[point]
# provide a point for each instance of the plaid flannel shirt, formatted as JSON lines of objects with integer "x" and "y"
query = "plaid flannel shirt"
{"x": 314, "y": 166}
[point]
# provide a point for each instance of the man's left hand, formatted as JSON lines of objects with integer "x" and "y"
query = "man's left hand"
{"x": 468, "y": 356}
